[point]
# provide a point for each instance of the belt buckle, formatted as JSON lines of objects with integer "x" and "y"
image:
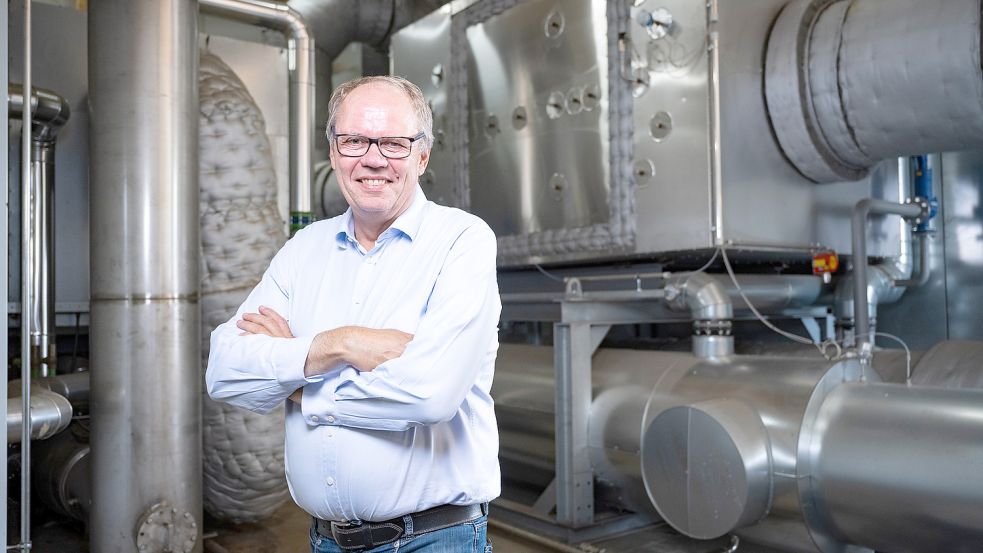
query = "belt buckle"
{"x": 356, "y": 535}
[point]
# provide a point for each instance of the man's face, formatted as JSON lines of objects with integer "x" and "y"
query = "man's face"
{"x": 377, "y": 188}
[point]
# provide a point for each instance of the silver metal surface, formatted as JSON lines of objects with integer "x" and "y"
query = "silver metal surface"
{"x": 50, "y": 414}
{"x": 712, "y": 466}
{"x": 27, "y": 251}
{"x": 61, "y": 478}
{"x": 300, "y": 43}
{"x": 144, "y": 334}
{"x": 51, "y": 111}
{"x": 897, "y": 468}
{"x": 553, "y": 173}
{"x": 861, "y": 212}
{"x": 421, "y": 53}
{"x": 5, "y": 247}
{"x": 73, "y": 386}
{"x": 703, "y": 295}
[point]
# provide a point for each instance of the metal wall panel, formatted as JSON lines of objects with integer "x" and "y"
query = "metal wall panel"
{"x": 421, "y": 53}
{"x": 963, "y": 190}
{"x": 538, "y": 123}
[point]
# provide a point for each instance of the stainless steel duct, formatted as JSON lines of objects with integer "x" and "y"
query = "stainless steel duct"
{"x": 300, "y": 43}
{"x": 51, "y": 112}
{"x": 50, "y": 414}
{"x": 144, "y": 331}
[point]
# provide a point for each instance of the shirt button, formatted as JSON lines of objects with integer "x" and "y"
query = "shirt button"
{"x": 330, "y": 481}
{"x": 330, "y": 419}
{"x": 314, "y": 418}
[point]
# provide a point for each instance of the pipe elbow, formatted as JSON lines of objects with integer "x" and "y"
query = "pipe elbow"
{"x": 702, "y": 295}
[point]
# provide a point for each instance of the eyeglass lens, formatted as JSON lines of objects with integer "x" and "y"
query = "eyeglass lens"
{"x": 356, "y": 145}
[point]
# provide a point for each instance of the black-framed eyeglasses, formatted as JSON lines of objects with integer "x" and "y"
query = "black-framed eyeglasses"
{"x": 356, "y": 145}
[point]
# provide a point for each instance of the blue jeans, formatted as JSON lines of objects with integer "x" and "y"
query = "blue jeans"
{"x": 467, "y": 537}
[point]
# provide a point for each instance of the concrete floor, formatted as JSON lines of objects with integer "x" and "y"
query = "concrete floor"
{"x": 287, "y": 530}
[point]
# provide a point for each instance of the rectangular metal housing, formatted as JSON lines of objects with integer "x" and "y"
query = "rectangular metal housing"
{"x": 578, "y": 136}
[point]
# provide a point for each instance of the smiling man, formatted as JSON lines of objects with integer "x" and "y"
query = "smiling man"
{"x": 379, "y": 329}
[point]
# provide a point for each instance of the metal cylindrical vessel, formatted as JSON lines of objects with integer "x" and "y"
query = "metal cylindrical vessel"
{"x": 144, "y": 332}
{"x": 898, "y": 468}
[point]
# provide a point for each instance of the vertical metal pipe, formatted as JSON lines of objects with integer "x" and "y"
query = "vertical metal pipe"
{"x": 42, "y": 307}
{"x": 716, "y": 156}
{"x": 300, "y": 43}
{"x": 26, "y": 254}
{"x": 4, "y": 227}
{"x": 144, "y": 332}
{"x": 861, "y": 211}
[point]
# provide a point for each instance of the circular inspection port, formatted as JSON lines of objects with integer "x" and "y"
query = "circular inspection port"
{"x": 437, "y": 74}
{"x": 492, "y": 126}
{"x": 643, "y": 171}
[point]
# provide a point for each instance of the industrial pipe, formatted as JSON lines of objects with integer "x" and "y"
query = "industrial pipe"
{"x": 27, "y": 122}
{"x": 50, "y": 414}
{"x": 858, "y": 229}
{"x": 51, "y": 112}
{"x": 74, "y": 387}
{"x": 144, "y": 224}
{"x": 300, "y": 60}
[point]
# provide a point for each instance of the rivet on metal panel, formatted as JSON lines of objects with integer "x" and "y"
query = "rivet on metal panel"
{"x": 592, "y": 97}
{"x": 492, "y": 127}
{"x": 575, "y": 102}
{"x": 519, "y": 118}
{"x": 438, "y": 139}
{"x": 660, "y": 126}
{"x": 437, "y": 74}
{"x": 557, "y": 183}
{"x": 554, "y": 106}
{"x": 640, "y": 80}
{"x": 554, "y": 24}
{"x": 643, "y": 171}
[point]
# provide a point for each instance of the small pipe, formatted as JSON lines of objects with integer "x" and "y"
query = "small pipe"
{"x": 861, "y": 211}
{"x": 50, "y": 414}
{"x": 735, "y": 542}
{"x": 25, "y": 286}
{"x": 300, "y": 60}
{"x": 921, "y": 273}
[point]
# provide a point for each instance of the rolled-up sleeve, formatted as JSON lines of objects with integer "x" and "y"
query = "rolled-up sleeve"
{"x": 455, "y": 341}
{"x": 258, "y": 372}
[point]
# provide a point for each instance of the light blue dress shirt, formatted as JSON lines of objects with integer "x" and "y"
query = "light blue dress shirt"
{"x": 419, "y": 430}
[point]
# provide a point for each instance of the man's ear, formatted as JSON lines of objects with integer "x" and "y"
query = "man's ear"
{"x": 424, "y": 160}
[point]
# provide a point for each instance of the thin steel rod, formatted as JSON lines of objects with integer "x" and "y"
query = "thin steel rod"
{"x": 4, "y": 226}
{"x": 26, "y": 279}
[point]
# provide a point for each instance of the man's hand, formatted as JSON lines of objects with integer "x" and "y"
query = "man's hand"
{"x": 363, "y": 348}
{"x": 267, "y": 321}
{"x": 270, "y": 323}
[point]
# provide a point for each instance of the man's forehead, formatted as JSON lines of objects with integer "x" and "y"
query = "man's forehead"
{"x": 376, "y": 105}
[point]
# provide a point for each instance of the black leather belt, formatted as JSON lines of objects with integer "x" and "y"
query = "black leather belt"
{"x": 353, "y": 536}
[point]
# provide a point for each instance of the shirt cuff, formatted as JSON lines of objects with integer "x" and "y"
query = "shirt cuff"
{"x": 289, "y": 357}
{"x": 317, "y": 404}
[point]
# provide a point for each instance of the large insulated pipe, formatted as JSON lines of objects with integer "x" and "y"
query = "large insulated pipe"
{"x": 144, "y": 331}
{"x": 897, "y": 468}
{"x": 50, "y": 414}
{"x": 850, "y": 83}
{"x": 300, "y": 59}
{"x": 51, "y": 112}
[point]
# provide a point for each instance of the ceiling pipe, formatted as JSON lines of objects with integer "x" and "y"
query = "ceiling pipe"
{"x": 300, "y": 60}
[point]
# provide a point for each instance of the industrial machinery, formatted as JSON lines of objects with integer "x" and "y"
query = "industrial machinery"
{"x": 712, "y": 217}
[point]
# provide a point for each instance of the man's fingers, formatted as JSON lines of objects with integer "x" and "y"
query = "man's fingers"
{"x": 266, "y": 322}
{"x": 249, "y": 327}
{"x": 282, "y": 325}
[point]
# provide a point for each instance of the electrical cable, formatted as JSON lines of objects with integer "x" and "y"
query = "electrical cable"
{"x": 760, "y": 317}
{"x": 546, "y": 273}
{"x": 907, "y": 353}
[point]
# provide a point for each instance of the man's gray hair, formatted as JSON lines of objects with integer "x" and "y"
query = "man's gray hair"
{"x": 424, "y": 114}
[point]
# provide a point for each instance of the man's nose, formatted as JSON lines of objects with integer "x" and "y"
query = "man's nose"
{"x": 374, "y": 157}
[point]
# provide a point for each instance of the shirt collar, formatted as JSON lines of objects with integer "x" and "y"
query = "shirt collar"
{"x": 408, "y": 223}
